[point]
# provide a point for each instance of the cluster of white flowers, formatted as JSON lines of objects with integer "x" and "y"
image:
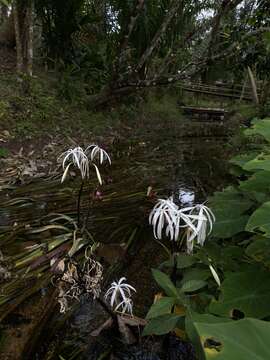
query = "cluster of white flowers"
{"x": 119, "y": 296}
{"x": 83, "y": 159}
{"x": 197, "y": 221}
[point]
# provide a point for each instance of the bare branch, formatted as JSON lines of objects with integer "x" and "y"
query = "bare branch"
{"x": 133, "y": 18}
{"x": 156, "y": 39}
{"x": 195, "y": 66}
{"x": 224, "y": 9}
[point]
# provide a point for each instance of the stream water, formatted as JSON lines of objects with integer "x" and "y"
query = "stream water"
{"x": 190, "y": 168}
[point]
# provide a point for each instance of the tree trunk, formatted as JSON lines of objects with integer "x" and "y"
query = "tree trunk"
{"x": 19, "y": 46}
{"x": 3, "y": 13}
{"x": 23, "y": 12}
{"x": 30, "y": 35}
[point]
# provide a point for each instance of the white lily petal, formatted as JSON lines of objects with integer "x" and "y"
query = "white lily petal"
{"x": 98, "y": 174}
{"x": 65, "y": 173}
{"x": 215, "y": 275}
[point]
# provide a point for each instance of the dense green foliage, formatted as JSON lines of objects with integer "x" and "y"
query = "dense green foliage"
{"x": 239, "y": 250}
{"x": 113, "y": 47}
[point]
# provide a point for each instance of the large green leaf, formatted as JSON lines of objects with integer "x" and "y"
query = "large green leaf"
{"x": 259, "y": 249}
{"x": 229, "y": 201}
{"x": 260, "y": 127}
{"x": 161, "y": 307}
{"x": 193, "y": 285}
{"x": 192, "y": 318}
{"x": 258, "y": 182}
{"x": 227, "y": 226}
{"x": 261, "y": 162}
{"x": 165, "y": 283}
{"x": 229, "y": 207}
{"x": 248, "y": 292}
{"x": 260, "y": 219}
{"x": 242, "y": 159}
{"x": 161, "y": 325}
{"x": 199, "y": 273}
{"x": 246, "y": 339}
{"x": 225, "y": 257}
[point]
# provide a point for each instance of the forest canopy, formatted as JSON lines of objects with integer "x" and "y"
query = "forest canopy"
{"x": 117, "y": 47}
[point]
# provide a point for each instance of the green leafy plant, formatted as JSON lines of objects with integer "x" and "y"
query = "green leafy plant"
{"x": 243, "y": 226}
{"x": 229, "y": 321}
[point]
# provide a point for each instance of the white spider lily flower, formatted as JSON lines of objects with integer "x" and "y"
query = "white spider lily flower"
{"x": 99, "y": 153}
{"x": 203, "y": 222}
{"x": 208, "y": 213}
{"x": 125, "y": 306}
{"x": 76, "y": 157}
{"x": 167, "y": 215}
{"x": 119, "y": 292}
{"x": 79, "y": 158}
{"x": 164, "y": 213}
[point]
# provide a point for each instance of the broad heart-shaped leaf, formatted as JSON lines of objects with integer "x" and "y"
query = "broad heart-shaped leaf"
{"x": 258, "y": 182}
{"x": 229, "y": 207}
{"x": 199, "y": 273}
{"x": 259, "y": 249}
{"x": 242, "y": 159}
{"x": 260, "y": 219}
{"x": 247, "y": 291}
{"x": 246, "y": 339}
{"x": 227, "y": 226}
{"x": 161, "y": 307}
{"x": 193, "y": 317}
{"x": 261, "y": 162}
{"x": 260, "y": 127}
{"x": 230, "y": 200}
{"x": 161, "y": 325}
{"x": 227, "y": 257}
{"x": 165, "y": 283}
{"x": 193, "y": 285}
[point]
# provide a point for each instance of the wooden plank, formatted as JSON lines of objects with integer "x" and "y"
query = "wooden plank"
{"x": 231, "y": 96}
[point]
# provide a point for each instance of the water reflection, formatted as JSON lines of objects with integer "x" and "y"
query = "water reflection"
{"x": 186, "y": 196}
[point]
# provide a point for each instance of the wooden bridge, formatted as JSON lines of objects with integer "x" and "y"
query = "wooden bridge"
{"x": 222, "y": 90}
{"x": 205, "y": 114}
